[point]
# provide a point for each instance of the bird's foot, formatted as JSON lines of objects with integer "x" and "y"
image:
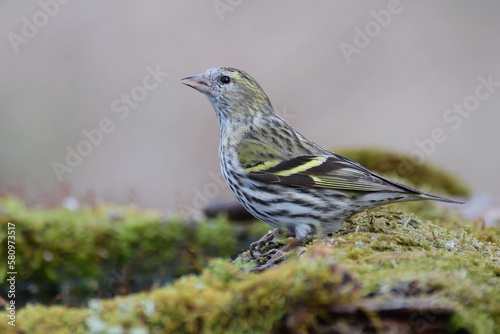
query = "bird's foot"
{"x": 264, "y": 240}
{"x": 278, "y": 256}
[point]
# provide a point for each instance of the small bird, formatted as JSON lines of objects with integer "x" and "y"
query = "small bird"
{"x": 278, "y": 175}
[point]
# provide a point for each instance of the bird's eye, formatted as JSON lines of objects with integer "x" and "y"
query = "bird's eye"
{"x": 225, "y": 79}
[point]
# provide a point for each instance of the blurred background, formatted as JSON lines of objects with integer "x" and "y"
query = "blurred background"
{"x": 91, "y": 105}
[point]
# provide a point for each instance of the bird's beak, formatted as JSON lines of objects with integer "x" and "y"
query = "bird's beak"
{"x": 198, "y": 82}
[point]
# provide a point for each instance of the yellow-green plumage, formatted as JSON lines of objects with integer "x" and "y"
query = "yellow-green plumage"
{"x": 280, "y": 176}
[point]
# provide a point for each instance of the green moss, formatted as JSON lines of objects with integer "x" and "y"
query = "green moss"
{"x": 61, "y": 320}
{"x": 379, "y": 256}
{"x": 109, "y": 250}
{"x": 223, "y": 299}
{"x": 455, "y": 263}
{"x": 217, "y": 237}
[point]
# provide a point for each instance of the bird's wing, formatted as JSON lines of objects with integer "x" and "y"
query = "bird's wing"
{"x": 309, "y": 169}
{"x": 322, "y": 171}
{"x": 267, "y": 162}
{"x": 316, "y": 168}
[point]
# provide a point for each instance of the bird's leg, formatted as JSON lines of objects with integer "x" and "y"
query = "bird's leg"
{"x": 280, "y": 253}
{"x": 277, "y": 257}
{"x": 264, "y": 240}
{"x": 290, "y": 245}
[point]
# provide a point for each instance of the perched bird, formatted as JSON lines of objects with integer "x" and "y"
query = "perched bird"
{"x": 278, "y": 175}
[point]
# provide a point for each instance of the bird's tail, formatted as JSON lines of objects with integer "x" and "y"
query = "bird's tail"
{"x": 426, "y": 196}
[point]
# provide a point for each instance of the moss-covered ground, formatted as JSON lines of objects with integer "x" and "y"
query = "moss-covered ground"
{"x": 409, "y": 268}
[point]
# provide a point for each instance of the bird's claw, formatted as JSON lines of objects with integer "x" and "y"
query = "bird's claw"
{"x": 264, "y": 240}
{"x": 279, "y": 256}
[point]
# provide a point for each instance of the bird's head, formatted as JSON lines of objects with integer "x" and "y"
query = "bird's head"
{"x": 234, "y": 94}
